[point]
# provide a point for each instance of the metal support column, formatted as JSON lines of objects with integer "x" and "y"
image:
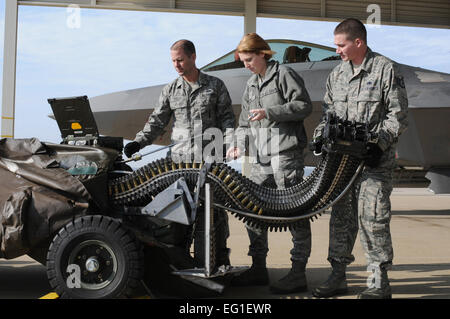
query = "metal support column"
{"x": 209, "y": 235}
{"x": 250, "y": 16}
{"x": 9, "y": 69}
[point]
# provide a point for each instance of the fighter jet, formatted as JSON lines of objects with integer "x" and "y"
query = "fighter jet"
{"x": 423, "y": 151}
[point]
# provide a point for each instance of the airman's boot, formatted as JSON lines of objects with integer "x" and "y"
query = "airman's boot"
{"x": 294, "y": 281}
{"x": 256, "y": 275}
{"x": 223, "y": 257}
{"x": 379, "y": 290}
{"x": 335, "y": 284}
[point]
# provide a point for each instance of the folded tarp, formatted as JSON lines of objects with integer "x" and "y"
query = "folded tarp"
{"x": 37, "y": 195}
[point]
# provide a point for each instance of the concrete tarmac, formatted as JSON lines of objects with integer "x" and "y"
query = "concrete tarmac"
{"x": 420, "y": 229}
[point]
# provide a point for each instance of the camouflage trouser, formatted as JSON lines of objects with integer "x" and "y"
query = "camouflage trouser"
{"x": 344, "y": 227}
{"x": 286, "y": 170}
{"x": 367, "y": 202}
{"x": 374, "y": 208}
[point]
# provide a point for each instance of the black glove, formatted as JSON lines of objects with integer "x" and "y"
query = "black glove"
{"x": 316, "y": 146}
{"x": 131, "y": 148}
{"x": 374, "y": 154}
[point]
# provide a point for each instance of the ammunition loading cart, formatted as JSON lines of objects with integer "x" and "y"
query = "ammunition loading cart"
{"x": 102, "y": 229}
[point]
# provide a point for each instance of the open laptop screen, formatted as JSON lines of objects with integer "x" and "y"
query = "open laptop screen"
{"x": 74, "y": 117}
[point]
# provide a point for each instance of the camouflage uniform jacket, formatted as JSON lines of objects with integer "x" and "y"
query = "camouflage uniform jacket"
{"x": 375, "y": 94}
{"x": 209, "y": 104}
{"x": 282, "y": 94}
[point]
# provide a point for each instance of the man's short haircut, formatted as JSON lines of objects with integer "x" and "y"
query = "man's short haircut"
{"x": 187, "y": 46}
{"x": 352, "y": 28}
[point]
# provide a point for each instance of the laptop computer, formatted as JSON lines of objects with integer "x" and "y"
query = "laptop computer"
{"x": 75, "y": 120}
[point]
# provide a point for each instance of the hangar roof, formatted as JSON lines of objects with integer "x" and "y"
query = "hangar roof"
{"x": 423, "y": 13}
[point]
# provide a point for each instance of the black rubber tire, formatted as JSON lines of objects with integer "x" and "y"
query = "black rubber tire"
{"x": 118, "y": 255}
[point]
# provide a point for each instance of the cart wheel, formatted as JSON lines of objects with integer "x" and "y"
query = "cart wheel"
{"x": 94, "y": 257}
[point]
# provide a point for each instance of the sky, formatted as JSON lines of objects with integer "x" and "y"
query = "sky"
{"x": 111, "y": 50}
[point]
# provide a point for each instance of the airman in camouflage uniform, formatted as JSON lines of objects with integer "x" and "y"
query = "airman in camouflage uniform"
{"x": 195, "y": 108}
{"x": 197, "y": 102}
{"x": 373, "y": 92}
{"x": 274, "y": 105}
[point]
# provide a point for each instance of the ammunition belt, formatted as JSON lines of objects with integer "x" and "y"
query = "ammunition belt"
{"x": 258, "y": 206}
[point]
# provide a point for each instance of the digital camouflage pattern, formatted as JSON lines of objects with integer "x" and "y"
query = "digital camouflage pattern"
{"x": 374, "y": 94}
{"x": 288, "y": 174}
{"x": 277, "y": 156}
{"x": 343, "y": 228}
{"x": 282, "y": 94}
{"x": 195, "y": 109}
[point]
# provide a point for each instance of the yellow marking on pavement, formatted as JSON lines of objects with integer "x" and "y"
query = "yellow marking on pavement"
{"x": 52, "y": 295}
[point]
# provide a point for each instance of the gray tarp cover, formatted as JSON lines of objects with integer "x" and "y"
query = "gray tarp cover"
{"x": 37, "y": 195}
